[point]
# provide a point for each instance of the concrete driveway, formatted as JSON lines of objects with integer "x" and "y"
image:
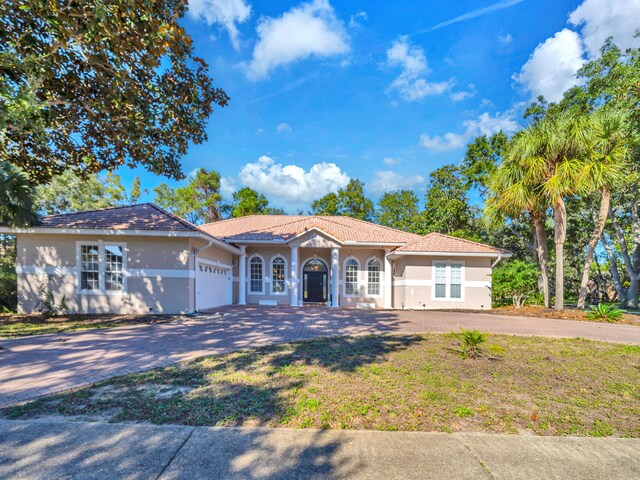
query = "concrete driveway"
{"x": 40, "y": 365}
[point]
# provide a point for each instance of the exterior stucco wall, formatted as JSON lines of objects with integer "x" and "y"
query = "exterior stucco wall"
{"x": 413, "y": 283}
{"x": 268, "y": 252}
{"x": 363, "y": 255}
{"x": 160, "y": 279}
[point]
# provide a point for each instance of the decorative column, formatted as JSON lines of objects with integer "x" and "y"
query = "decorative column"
{"x": 335, "y": 277}
{"x": 242, "y": 276}
{"x": 294, "y": 276}
{"x": 388, "y": 282}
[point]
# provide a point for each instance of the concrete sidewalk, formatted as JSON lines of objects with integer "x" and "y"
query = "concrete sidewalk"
{"x": 44, "y": 364}
{"x": 39, "y": 449}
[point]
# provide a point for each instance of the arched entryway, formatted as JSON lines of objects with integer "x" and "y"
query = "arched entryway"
{"x": 315, "y": 281}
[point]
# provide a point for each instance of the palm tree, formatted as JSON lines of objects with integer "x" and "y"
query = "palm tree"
{"x": 605, "y": 169}
{"x": 549, "y": 152}
{"x": 512, "y": 193}
{"x": 16, "y": 197}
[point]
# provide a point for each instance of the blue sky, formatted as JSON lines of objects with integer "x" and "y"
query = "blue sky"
{"x": 324, "y": 91}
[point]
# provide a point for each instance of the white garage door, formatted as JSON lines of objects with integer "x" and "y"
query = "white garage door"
{"x": 213, "y": 285}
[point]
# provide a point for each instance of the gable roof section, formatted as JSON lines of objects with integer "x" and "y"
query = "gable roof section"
{"x": 283, "y": 228}
{"x": 144, "y": 216}
{"x": 440, "y": 243}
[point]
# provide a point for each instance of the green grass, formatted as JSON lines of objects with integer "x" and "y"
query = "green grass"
{"x": 547, "y": 386}
{"x": 12, "y": 326}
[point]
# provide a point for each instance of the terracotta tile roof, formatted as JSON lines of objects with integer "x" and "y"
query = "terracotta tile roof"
{"x": 285, "y": 227}
{"x": 144, "y": 216}
{"x": 438, "y": 242}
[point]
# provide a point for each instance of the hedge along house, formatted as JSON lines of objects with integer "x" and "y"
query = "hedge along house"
{"x": 139, "y": 259}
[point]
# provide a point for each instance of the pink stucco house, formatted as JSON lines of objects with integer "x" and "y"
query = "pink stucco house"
{"x": 140, "y": 258}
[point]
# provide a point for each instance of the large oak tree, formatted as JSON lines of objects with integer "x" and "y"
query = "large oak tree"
{"x": 95, "y": 84}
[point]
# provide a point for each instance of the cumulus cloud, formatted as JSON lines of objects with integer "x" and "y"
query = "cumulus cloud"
{"x": 284, "y": 128}
{"x": 485, "y": 124}
{"x": 227, "y": 13}
{"x": 227, "y": 187}
{"x": 464, "y": 94}
{"x": 600, "y": 19}
{"x": 412, "y": 84}
{"x": 311, "y": 29}
{"x": 290, "y": 183}
{"x": 388, "y": 180}
{"x": 551, "y": 68}
{"x": 390, "y": 161}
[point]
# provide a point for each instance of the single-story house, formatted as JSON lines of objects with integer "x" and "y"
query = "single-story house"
{"x": 140, "y": 258}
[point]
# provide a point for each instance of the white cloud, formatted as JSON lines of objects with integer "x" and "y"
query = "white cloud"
{"x": 464, "y": 94}
{"x": 494, "y": 7}
{"x": 284, "y": 128}
{"x": 485, "y": 124}
{"x": 227, "y": 187}
{"x": 603, "y": 18}
{"x": 292, "y": 184}
{"x": 390, "y": 161}
{"x": 551, "y": 68}
{"x": 353, "y": 21}
{"x": 311, "y": 29}
{"x": 227, "y": 13}
{"x": 505, "y": 39}
{"x": 411, "y": 84}
{"x": 388, "y": 180}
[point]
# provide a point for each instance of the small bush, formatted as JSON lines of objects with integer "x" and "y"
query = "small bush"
{"x": 606, "y": 312}
{"x": 47, "y": 304}
{"x": 470, "y": 341}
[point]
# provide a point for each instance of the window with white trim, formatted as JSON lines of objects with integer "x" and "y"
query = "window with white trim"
{"x": 113, "y": 268}
{"x": 102, "y": 267}
{"x": 278, "y": 285}
{"x": 455, "y": 287}
{"x": 351, "y": 277}
{"x": 373, "y": 277}
{"x": 255, "y": 275}
{"x": 448, "y": 281}
{"x": 90, "y": 268}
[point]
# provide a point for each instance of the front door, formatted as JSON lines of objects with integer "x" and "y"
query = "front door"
{"x": 314, "y": 282}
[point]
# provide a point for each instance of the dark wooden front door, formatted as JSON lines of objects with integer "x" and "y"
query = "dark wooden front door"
{"x": 315, "y": 287}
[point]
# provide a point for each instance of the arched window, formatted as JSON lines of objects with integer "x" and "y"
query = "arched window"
{"x": 351, "y": 277}
{"x": 373, "y": 277}
{"x": 255, "y": 275}
{"x": 278, "y": 276}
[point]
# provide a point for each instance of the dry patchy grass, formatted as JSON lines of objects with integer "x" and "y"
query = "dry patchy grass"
{"x": 545, "y": 386}
{"x": 13, "y": 325}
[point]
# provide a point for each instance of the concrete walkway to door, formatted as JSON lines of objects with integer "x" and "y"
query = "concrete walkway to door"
{"x": 34, "y": 366}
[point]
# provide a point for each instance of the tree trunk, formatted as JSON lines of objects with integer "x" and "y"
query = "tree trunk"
{"x": 560, "y": 235}
{"x": 631, "y": 299}
{"x": 591, "y": 246}
{"x": 543, "y": 254}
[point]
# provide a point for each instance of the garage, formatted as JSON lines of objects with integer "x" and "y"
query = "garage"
{"x": 213, "y": 285}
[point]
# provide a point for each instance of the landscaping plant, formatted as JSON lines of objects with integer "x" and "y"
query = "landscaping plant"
{"x": 470, "y": 341}
{"x": 605, "y": 311}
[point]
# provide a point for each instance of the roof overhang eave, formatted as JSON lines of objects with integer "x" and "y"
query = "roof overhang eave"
{"x": 396, "y": 253}
{"x": 118, "y": 233}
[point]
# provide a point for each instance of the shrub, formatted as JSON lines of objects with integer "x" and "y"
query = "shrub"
{"x": 470, "y": 341}
{"x": 47, "y": 304}
{"x": 515, "y": 281}
{"x": 605, "y": 311}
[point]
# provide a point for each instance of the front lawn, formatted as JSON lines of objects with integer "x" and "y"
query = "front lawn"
{"x": 25, "y": 325}
{"x": 550, "y": 387}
